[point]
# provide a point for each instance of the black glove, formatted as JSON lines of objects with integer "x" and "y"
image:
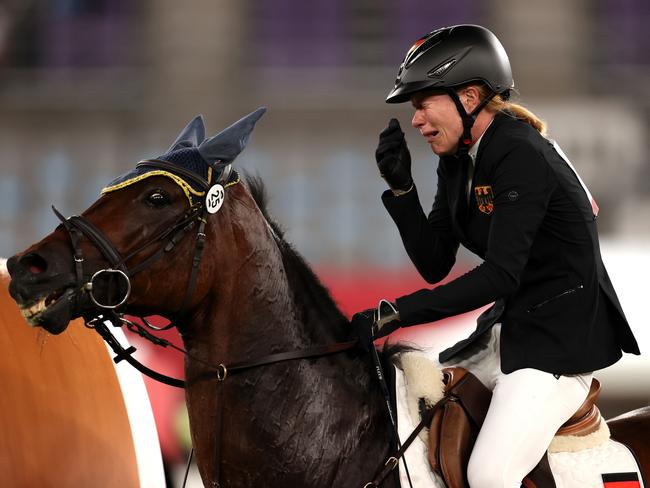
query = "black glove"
{"x": 372, "y": 324}
{"x": 393, "y": 157}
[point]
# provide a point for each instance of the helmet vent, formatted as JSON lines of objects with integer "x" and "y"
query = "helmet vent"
{"x": 441, "y": 69}
{"x": 399, "y": 74}
{"x": 424, "y": 44}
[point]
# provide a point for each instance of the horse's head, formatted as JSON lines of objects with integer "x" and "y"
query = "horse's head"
{"x": 96, "y": 261}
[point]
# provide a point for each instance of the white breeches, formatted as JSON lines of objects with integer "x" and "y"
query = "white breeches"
{"x": 528, "y": 407}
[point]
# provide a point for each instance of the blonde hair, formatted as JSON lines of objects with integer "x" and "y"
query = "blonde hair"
{"x": 498, "y": 104}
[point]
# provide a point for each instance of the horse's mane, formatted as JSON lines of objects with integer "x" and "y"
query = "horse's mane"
{"x": 391, "y": 350}
{"x": 307, "y": 287}
{"x": 258, "y": 191}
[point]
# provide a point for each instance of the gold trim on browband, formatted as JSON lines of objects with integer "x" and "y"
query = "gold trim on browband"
{"x": 187, "y": 189}
{"x": 185, "y": 186}
{"x": 232, "y": 183}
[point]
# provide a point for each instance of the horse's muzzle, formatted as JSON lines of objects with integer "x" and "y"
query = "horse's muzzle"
{"x": 43, "y": 300}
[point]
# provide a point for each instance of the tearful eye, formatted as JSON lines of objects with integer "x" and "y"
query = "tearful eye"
{"x": 158, "y": 198}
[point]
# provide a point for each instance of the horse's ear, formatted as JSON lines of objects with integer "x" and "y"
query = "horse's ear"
{"x": 191, "y": 136}
{"x": 228, "y": 143}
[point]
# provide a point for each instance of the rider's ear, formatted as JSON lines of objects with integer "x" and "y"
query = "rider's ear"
{"x": 191, "y": 136}
{"x": 227, "y": 144}
{"x": 470, "y": 97}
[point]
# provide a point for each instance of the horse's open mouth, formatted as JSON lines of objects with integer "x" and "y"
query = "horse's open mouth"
{"x": 33, "y": 313}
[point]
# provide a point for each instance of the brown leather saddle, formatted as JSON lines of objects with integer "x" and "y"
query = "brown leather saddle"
{"x": 456, "y": 424}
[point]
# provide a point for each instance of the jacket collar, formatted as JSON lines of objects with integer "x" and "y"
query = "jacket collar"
{"x": 499, "y": 119}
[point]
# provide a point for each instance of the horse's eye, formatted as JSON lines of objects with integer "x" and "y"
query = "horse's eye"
{"x": 158, "y": 198}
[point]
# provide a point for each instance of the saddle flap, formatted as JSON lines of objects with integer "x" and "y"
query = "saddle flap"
{"x": 455, "y": 426}
{"x": 433, "y": 448}
{"x": 473, "y": 395}
{"x": 457, "y": 438}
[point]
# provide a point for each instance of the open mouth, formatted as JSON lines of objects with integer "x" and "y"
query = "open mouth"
{"x": 432, "y": 135}
{"x": 34, "y": 311}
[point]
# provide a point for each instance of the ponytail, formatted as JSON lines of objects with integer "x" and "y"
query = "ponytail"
{"x": 498, "y": 104}
{"x": 522, "y": 113}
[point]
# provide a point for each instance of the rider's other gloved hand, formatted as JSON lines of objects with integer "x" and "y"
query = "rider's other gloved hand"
{"x": 374, "y": 323}
{"x": 393, "y": 158}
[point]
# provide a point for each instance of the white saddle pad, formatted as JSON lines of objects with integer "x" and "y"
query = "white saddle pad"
{"x": 581, "y": 469}
{"x": 585, "y": 469}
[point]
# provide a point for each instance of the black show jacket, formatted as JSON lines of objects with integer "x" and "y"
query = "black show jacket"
{"x": 530, "y": 220}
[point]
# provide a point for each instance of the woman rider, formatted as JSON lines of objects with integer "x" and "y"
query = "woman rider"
{"x": 509, "y": 195}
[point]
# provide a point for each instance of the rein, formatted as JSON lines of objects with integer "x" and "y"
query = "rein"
{"x": 219, "y": 371}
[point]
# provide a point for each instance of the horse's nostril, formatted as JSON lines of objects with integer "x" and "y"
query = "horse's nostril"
{"x": 34, "y": 263}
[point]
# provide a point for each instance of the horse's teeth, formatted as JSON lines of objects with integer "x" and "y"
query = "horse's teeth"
{"x": 31, "y": 312}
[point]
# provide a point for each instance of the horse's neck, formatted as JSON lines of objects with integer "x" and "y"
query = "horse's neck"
{"x": 272, "y": 304}
{"x": 264, "y": 300}
{"x": 275, "y": 303}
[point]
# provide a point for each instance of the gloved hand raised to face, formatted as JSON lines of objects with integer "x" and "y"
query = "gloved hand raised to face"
{"x": 393, "y": 157}
{"x": 374, "y": 323}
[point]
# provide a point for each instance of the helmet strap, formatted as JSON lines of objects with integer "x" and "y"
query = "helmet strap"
{"x": 465, "y": 140}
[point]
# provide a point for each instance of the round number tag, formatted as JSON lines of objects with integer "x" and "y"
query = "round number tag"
{"x": 214, "y": 199}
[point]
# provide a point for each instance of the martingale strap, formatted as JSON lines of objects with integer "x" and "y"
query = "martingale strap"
{"x": 127, "y": 354}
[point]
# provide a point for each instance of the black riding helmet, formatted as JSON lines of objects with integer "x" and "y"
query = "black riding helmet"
{"x": 450, "y": 57}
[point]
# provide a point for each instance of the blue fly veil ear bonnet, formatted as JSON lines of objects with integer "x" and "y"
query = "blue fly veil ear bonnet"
{"x": 193, "y": 162}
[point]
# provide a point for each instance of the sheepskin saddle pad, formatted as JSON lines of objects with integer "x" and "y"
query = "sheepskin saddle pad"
{"x": 581, "y": 454}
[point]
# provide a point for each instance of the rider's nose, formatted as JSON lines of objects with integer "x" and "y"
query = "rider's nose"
{"x": 417, "y": 120}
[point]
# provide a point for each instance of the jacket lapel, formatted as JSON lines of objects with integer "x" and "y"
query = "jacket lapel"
{"x": 499, "y": 119}
{"x": 461, "y": 210}
{"x": 458, "y": 178}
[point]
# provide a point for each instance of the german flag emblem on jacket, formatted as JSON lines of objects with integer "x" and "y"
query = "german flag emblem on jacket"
{"x": 484, "y": 199}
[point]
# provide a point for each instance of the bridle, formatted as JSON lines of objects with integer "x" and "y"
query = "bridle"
{"x": 82, "y": 293}
{"x": 78, "y": 227}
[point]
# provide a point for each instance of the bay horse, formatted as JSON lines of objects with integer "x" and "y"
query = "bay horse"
{"x": 237, "y": 291}
{"x": 316, "y": 422}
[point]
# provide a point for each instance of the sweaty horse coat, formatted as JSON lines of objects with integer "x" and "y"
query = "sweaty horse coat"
{"x": 529, "y": 217}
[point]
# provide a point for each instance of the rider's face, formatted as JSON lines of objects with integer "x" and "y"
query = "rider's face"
{"x": 438, "y": 121}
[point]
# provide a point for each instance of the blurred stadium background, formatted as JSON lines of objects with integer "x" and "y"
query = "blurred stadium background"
{"x": 89, "y": 87}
